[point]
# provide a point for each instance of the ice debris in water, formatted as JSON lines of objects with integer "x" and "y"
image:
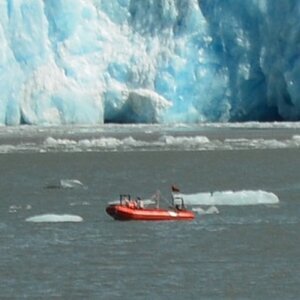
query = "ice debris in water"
{"x": 16, "y": 208}
{"x": 65, "y": 184}
{"x": 54, "y": 218}
{"x": 210, "y": 211}
{"x": 148, "y": 61}
{"x": 70, "y": 183}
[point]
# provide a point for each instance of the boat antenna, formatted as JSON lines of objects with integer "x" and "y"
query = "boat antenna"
{"x": 157, "y": 197}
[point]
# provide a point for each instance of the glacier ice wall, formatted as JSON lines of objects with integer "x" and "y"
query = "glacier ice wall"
{"x": 94, "y": 61}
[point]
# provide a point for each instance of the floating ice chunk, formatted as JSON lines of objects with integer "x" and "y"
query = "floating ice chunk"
{"x": 14, "y": 208}
{"x": 52, "y": 142}
{"x": 296, "y": 139}
{"x": 66, "y": 184}
{"x": 245, "y": 198}
{"x": 230, "y": 198}
{"x": 70, "y": 183}
{"x": 83, "y": 203}
{"x": 184, "y": 140}
{"x": 54, "y": 218}
{"x": 199, "y": 210}
{"x": 210, "y": 211}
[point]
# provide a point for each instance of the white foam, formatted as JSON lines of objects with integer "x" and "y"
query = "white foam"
{"x": 54, "y": 218}
{"x": 230, "y": 198}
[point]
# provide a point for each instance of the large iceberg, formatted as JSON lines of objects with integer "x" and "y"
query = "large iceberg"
{"x": 95, "y": 61}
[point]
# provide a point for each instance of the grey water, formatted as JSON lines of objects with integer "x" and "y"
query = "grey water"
{"x": 244, "y": 252}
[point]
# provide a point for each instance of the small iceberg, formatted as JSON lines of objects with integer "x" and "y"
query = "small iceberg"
{"x": 70, "y": 183}
{"x": 54, "y": 218}
{"x": 233, "y": 198}
{"x": 66, "y": 184}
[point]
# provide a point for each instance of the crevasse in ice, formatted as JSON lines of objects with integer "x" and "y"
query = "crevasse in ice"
{"x": 94, "y": 61}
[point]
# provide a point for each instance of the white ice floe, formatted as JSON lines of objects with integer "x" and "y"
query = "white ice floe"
{"x": 65, "y": 184}
{"x": 237, "y": 198}
{"x": 54, "y": 218}
{"x": 70, "y": 183}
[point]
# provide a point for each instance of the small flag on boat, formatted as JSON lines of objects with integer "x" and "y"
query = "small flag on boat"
{"x": 175, "y": 189}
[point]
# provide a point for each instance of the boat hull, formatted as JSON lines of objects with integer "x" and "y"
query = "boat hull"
{"x": 124, "y": 213}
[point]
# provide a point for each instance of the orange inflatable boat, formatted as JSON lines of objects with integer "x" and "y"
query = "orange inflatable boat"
{"x": 131, "y": 209}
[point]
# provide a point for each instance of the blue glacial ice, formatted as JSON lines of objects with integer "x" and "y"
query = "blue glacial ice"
{"x": 148, "y": 61}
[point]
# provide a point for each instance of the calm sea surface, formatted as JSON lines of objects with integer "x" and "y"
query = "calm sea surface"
{"x": 244, "y": 252}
